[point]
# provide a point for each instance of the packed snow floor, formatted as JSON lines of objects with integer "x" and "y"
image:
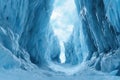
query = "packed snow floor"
{"x": 39, "y": 74}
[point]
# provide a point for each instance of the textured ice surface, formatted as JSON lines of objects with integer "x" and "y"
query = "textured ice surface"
{"x": 25, "y": 25}
{"x": 99, "y": 28}
{"x": 30, "y": 49}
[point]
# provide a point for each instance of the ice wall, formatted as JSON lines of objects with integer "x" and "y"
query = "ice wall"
{"x": 37, "y": 36}
{"x": 99, "y": 21}
{"x": 25, "y": 30}
{"x": 73, "y": 51}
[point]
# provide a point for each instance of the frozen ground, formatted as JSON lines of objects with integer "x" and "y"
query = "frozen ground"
{"x": 39, "y": 74}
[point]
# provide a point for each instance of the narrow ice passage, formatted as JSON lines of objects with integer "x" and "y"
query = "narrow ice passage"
{"x": 62, "y": 55}
{"x": 59, "y": 40}
{"x": 62, "y": 22}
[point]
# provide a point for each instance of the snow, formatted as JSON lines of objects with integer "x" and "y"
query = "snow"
{"x": 17, "y": 74}
{"x": 59, "y": 39}
{"x": 8, "y": 60}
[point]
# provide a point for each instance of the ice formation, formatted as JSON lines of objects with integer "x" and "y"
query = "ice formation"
{"x": 35, "y": 35}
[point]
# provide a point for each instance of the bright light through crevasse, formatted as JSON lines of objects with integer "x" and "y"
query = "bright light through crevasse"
{"x": 62, "y": 20}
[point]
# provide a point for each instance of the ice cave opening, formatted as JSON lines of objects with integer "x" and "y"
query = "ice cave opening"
{"x": 62, "y": 21}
